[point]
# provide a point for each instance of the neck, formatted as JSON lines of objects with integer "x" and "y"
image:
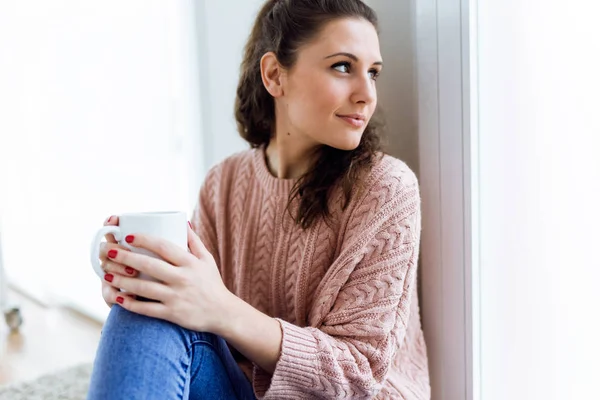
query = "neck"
{"x": 289, "y": 156}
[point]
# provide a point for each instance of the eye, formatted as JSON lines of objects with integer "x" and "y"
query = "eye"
{"x": 343, "y": 67}
{"x": 374, "y": 74}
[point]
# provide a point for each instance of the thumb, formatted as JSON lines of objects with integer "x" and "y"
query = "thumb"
{"x": 195, "y": 244}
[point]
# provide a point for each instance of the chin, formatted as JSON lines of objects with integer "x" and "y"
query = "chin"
{"x": 347, "y": 146}
{"x": 350, "y": 141}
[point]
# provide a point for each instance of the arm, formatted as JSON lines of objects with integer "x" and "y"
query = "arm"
{"x": 254, "y": 334}
{"x": 365, "y": 320}
{"x": 244, "y": 321}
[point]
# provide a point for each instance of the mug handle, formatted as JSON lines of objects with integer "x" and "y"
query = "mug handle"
{"x": 95, "y": 249}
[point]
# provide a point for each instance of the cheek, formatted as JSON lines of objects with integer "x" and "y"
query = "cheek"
{"x": 310, "y": 105}
{"x": 322, "y": 98}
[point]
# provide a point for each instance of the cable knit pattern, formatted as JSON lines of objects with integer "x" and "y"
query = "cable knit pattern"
{"x": 344, "y": 293}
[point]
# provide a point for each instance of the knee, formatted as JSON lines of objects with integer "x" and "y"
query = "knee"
{"x": 122, "y": 317}
{"x": 122, "y": 323}
{"x": 205, "y": 339}
{"x": 126, "y": 322}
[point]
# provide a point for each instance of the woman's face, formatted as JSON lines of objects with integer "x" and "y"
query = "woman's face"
{"x": 329, "y": 95}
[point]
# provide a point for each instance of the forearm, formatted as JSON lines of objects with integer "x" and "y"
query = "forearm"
{"x": 254, "y": 334}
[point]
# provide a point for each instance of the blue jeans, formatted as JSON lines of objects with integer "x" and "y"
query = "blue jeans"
{"x": 146, "y": 358}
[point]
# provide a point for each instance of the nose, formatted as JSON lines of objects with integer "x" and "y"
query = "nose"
{"x": 364, "y": 91}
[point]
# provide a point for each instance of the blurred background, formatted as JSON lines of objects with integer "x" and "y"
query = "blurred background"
{"x": 116, "y": 106}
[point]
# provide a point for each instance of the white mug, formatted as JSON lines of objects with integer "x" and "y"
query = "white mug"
{"x": 170, "y": 225}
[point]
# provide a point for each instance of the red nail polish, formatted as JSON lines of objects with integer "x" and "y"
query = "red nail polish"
{"x": 129, "y": 270}
{"x": 109, "y": 218}
{"x": 190, "y": 224}
{"x": 129, "y": 238}
{"x": 112, "y": 253}
{"x": 120, "y": 300}
{"x": 108, "y": 277}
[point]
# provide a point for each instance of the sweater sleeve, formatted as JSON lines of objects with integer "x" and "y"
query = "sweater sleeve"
{"x": 362, "y": 311}
{"x": 204, "y": 214}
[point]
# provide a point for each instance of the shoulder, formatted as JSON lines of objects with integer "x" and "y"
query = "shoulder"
{"x": 390, "y": 168}
{"x": 230, "y": 166}
{"x": 389, "y": 194}
{"x": 388, "y": 179}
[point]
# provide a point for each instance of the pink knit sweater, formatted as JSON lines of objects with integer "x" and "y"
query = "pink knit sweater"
{"x": 344, "y": 293}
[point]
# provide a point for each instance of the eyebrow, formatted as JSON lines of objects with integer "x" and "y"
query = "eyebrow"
{"x": 351, "y": 56}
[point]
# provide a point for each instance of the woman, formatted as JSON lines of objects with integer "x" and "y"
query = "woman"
{"x": 301, "y": 281}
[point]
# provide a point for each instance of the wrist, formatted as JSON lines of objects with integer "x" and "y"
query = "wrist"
{"x": 228, "y": 315}
{"x": 254, "y": 334}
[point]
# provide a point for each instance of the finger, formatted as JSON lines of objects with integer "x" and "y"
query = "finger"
{"x": 141, "y": 287}
{"x": 195, "y": 244}
{"x": 147, "y": 308}
{"x": 109, "y": 293}
{"x": 154, "y": 267}
{"x": 105, "y": 247}
{"x": 168, "y": 251}
{"x": 116, "y": 268}
{"x": 112, "y": 220}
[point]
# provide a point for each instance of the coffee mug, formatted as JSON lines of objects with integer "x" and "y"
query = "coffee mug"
{"x": 170, "y": 225}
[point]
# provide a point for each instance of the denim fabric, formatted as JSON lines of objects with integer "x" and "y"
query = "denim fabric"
{"x": 146, "y": 358}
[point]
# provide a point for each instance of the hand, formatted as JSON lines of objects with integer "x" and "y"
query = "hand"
{"x": 190, "y": 291}
{"x": 109, "y": 293}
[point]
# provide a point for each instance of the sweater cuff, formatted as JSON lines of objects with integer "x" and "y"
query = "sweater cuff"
{"x": 296, "y": 368}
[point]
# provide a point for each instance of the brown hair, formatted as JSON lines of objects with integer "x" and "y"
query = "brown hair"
{"x": 282, "y": 27}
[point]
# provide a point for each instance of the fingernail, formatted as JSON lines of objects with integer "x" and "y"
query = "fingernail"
{"x": 129, "y": 270}
{"x": 129, "y": 238}
{"x": 109, "y": 218}
{"x": 120, "y": 300}
{"x": 112, "y": 253}
{"x": 190, "y": 224}
{"x": 108, "y": 277}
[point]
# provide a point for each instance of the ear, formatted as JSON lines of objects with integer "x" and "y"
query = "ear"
{"x": 272, "y": 72}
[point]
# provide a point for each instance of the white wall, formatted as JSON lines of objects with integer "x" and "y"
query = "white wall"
{"x": 510, "y": 179}
{"x": 223, "y": 27}
{"x": 540, "y": 196}
{"x": 447, "y": 169}
{"x": 397, "y": 85}
{"x": 99, "y": 115}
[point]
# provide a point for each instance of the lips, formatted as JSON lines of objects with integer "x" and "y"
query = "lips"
{"x": 356, "y": 120}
